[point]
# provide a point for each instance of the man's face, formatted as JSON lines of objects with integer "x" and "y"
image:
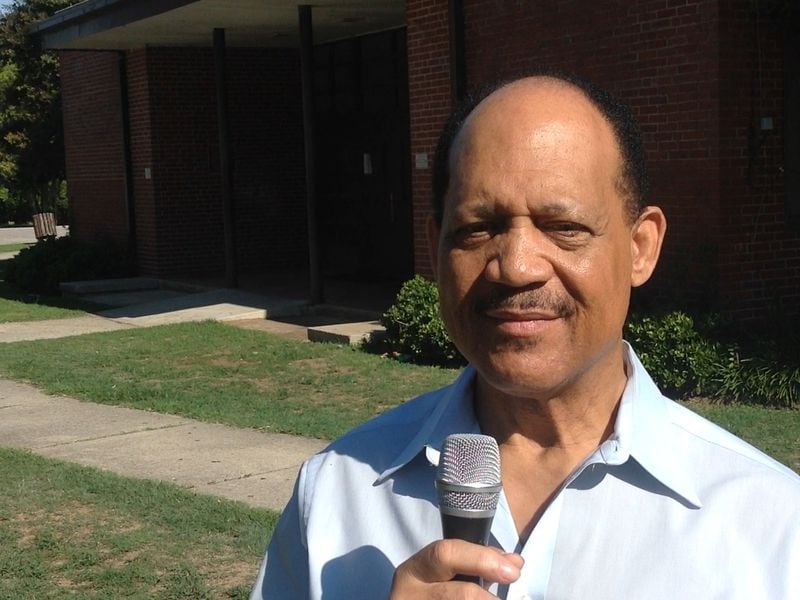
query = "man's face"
{"x": 535, "y": 253}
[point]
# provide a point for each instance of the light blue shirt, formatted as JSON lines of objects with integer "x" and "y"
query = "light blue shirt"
{"x": 671, "y": 506}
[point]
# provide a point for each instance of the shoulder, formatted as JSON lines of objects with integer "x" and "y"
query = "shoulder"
{"x": 703, "y": 450}
{"x": 375, "y": 444}
{"x": 720, "y": 455}
{"x": 346, "y": 473}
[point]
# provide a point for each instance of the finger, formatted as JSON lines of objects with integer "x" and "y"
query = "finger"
{"x": 444, "y": 559}
{"x": 514, "y": 558}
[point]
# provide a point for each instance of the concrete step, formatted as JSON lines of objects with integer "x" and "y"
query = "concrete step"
{"x": 217, "y": 305}
{"x": 99, "y": 286}
{"x": 347, "y": 333}
{"x": 126, "y": 284}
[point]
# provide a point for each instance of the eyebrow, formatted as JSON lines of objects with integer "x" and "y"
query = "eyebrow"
{"x": 483, "y": 208}
{"x": 557, "y": 207}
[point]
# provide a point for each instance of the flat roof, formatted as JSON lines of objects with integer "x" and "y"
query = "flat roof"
{"x": 126, "y": 24}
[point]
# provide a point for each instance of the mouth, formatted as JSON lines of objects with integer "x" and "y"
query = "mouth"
{"x": 511, "y": 314}
{"x": 521, "y": 322}
{"x": 523, "y": 313}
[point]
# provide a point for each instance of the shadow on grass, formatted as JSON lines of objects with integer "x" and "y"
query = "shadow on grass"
{"x": 9, "y": 291}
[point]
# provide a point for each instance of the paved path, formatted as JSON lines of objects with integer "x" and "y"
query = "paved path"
{"x": 239, "y": 464}
{"x": 216, "y": 305}
{"x": 57, "y": 328}
{"x": 23, "y": 235}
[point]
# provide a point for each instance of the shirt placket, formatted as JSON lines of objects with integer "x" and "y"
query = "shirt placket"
{"x": 540, "y": 547}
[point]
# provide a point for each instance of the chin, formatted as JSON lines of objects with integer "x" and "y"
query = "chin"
{"x": 522, "y": 374}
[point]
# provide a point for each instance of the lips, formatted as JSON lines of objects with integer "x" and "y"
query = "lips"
{"x": 507, "y": 314}
{"x": 521, "y": 323}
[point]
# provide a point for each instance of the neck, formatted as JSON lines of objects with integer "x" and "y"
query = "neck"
{"x": 579, "y": 417}
{"x": 543, "y": 439}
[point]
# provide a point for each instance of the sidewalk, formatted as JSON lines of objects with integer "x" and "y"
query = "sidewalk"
{"x": 238, "y": 464}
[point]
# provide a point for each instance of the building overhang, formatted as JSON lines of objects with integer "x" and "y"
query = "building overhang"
{"x": 126, "y": 24}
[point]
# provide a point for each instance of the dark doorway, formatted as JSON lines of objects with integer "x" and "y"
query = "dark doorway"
{"x": 363, "y": 187}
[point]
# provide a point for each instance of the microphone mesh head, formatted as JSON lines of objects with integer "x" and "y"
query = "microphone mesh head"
{"x": 471, "y": 460}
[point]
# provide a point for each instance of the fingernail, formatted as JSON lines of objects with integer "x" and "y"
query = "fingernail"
{"x": 509, "y": 572}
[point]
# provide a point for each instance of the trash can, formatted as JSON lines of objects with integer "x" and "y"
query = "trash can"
{"x": 44, "y": 225}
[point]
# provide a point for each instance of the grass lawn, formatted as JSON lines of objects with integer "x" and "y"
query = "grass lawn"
{"x": 214, "y": 372}
{"x": 776, "y": 431}
{"x": 224, "y": 374}
{"x": 20, "y": 306}
{"x": 13, "y": 247}
{"x": 73, "y": 532}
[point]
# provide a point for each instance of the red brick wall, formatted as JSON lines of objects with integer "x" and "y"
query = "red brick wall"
{"x": 265, "y": 124}
{"x": 141, "y": 157}
{"x": 759, "y": 252}
{"x": 689, "y": 69}
{"x": 429, "y": 100}
{"x": 93, "y": 134}
{"x": 185, "y": 177}
{"x": 661, "y": 58}
{"x": 174, "y": 134}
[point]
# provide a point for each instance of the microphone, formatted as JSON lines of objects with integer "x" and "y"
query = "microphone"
{"x": 468, "y": 485}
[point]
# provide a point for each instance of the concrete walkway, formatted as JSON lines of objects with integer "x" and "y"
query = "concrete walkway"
{"x": 24, "y": 235}
{"x": 238, "y": 464}
{"x": 57, "y": 328}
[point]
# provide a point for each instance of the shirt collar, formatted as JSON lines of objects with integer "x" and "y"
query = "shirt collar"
{"x": 453, "y": 413}
{"x": 641, "y": 428}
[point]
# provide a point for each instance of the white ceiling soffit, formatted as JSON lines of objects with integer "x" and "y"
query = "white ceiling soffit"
{"x": 248, "y": 23}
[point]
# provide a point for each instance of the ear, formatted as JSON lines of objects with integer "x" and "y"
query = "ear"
{"x": 647, "y": 236}
{"x": 433, "y": 244}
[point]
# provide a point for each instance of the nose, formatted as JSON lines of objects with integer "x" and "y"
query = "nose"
{"x": 519, "y": 257}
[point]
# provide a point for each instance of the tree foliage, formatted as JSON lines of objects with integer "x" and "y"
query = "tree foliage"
{"x": 31, "y": 131}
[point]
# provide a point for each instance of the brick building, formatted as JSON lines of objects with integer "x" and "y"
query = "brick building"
{"x": 714, "y": 83}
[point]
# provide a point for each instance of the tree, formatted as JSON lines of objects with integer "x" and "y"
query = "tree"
{"x": 31, "y": 130}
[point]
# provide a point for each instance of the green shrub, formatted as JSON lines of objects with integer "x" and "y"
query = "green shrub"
{"x": 678, "y": 358}
{"x": 684, "y": 356}
{"x": 762, "y": 379}
{"x": 43, "y": 266}
{"x": 414, "y": 328}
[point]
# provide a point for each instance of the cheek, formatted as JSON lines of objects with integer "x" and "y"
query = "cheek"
{"x": 458, "y": 271}
{"x": 457, "y": 280}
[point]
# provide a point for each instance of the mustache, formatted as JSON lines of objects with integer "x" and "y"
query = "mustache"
{"x": 526, "y": 300}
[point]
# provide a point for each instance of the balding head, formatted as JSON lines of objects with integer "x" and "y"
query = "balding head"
{"x": 631, "y": 177}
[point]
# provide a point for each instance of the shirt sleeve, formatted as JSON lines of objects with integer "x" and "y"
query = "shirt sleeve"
{"x": 284, "y": 570}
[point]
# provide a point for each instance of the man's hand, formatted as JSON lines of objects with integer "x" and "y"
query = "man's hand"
{"x": 429, "y": 573}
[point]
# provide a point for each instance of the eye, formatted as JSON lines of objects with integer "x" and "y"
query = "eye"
{"x": 564, "y": 227}
{"x": 473, "y": 234}
{"x": 566, "y": 231}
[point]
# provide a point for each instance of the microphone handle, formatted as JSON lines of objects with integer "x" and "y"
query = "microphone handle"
{"x": 469, "y": 529}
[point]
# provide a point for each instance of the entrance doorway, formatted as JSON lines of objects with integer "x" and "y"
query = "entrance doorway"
{"x": 363, "y": 171}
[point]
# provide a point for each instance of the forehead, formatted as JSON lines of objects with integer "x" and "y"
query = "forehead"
{"x": 540, "y": 128}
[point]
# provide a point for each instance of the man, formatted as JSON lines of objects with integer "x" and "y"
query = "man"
{"x": 609, "y": 489}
